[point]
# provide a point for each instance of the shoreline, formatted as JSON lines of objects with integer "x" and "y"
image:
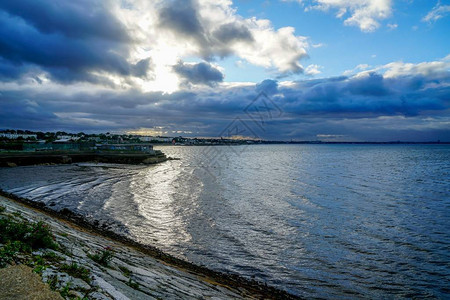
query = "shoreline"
{"x": 254, "y": 288}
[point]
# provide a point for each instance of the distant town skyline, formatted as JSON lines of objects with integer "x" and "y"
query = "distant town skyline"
{"x": 357, "y": 70}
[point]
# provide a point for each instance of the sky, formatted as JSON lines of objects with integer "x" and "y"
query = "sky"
{"x": 331, "y": 70}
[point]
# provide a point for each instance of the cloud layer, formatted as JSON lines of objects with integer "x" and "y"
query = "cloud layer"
{"x": 394, "y": 101}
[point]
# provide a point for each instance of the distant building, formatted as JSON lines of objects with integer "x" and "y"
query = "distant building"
{"x": 146, "y": 148}
{"x": 67, "y": 138}
{"x": 94, "y": 138}
{"x": 155, "y": 139}
{"x": 15, "y": 136}
{"x": 63, "y": 141}
{"x": 60, "y": 146}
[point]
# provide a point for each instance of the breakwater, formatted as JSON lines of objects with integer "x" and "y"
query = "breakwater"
{"x": 34, "y": 158}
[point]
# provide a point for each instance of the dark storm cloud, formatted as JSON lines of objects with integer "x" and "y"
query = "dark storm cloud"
{"x": 141, "y": 68}
{"x": 233, "y": 32}
{"x": 11, "y": 71}
{"x": 182, "y": 18}
{"x": 371, "y": 85}
{"x": 267, "y": 86}
{"x": 371, "y": 94}
{"x": 76, "y": 19}
{"x": 17, "y": 111}
{"x": 67, "y": 40}
{"x": 199, "y": 73}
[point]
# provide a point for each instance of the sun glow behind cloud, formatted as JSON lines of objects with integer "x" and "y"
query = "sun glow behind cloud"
{"x": 163, "y": 79}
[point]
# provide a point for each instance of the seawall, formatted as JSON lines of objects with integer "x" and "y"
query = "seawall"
{"x": 149, "y": 260}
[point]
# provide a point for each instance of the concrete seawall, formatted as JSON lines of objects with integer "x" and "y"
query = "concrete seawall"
{"x": 157, "y": 274}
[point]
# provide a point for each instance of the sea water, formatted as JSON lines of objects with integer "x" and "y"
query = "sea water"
{"x": 333, "y": 221}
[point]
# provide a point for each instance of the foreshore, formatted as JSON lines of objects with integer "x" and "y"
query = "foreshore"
{"x": 136, "y": 271}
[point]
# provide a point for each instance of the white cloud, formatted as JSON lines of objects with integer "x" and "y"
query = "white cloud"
{"x": 313, "y": 70}
{"x": 364, "y": 14}
{"x": 392, "y": 26}
{"x": 438, "y": 12}
{"x": 360, "y": 67}
{"x": 217, "y": 31}
{"x": 433, "y": 69}
{"x": 318, "y": 45}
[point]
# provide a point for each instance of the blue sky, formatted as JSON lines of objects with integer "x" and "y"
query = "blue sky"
{"x": 353, "y": 70}
{"x": 345, "y": 47}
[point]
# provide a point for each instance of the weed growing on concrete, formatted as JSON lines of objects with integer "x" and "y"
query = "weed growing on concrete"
{"x": 104, "y": 257}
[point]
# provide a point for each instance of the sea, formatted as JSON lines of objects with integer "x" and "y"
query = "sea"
{"x": 319, "y": 221}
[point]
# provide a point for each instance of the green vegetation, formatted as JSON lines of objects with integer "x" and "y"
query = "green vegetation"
{"x": 36, "y": 235}
{"x": 77, "y": 271}
{"x": 125, "y": 271}
{"x": 103, "y": 258}
{"x": 53, "y": 282}
{"x": 51, "y": 256}
{"x": 20, "y": 236}
{"x": 133, "y": 284}
{"x": 38, "y": 264}
{"x": 65, "y": 291}
{"x": 9, "y": 252}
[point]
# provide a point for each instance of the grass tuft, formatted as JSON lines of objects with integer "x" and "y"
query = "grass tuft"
{"x": 133, "y": 284}
{"x": 77, "y": 271}
{"x": 104, "y": 257}
{"x": 125, "y": 271}
{"x": 53, "y": 282}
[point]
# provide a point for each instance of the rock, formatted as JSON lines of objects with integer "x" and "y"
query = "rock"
{"x": 66, "y": 159}
{"x": 110, "y": 289}
{"x": 38, "y": 252}
{"x": 76, "y": 294}
{"x": 98, "y": 296}
{"x": 77, "y": 283}
{"x": 117, "y": 275}
{"x": 11, "y": 164}
{"x": 46, "y": 273}
{"x": 150, "y": 160}
{"x": 79, "y": 253}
